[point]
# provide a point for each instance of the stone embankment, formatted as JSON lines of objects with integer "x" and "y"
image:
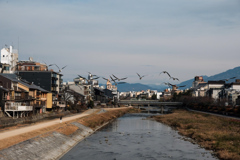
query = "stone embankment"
{"x": 55, "y": 142}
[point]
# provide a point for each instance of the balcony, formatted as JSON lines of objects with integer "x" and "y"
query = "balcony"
{"x": 55, "y": 78}
{"x": 15, "y": 107}
{"x": 54, "y": 85}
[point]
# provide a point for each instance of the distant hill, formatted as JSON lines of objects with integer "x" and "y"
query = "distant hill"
{"x": 235, "y": 72}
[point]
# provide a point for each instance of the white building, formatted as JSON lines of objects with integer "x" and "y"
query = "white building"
{"x": 9, "y": 56}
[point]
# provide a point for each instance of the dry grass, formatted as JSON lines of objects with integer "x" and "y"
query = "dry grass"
{"x": 219, "y": 134}
{"x": 96, "y": 120}
{"x": 66, "y": 128}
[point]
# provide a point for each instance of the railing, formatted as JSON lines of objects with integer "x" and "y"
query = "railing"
{"x": 18, "y": 98}
{"x": 13, "y": 107}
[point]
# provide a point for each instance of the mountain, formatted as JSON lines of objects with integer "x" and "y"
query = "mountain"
{"x": 235, "y": 72}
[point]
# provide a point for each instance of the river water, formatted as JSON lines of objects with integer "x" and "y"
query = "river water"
{"x": 136, "y": 137}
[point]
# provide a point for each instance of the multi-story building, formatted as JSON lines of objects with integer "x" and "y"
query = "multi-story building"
{"x": 40, "y": 75}
{"x": 9, "y": 59}
{"x": 19, "y": 97}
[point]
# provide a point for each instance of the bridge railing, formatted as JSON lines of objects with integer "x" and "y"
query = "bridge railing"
{"x": 149, "y": 102}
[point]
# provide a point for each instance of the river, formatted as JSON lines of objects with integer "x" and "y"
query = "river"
{"x": 136, "y": 137}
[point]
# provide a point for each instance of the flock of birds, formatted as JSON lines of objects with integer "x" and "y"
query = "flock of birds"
{"x": 116, "y": 80}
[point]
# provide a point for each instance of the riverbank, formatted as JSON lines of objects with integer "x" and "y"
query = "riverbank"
{"x": 53, "y": 141}
{"x": 222, "y": 135}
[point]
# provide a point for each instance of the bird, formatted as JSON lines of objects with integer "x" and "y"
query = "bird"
{"x": 174, "y": 78}
{"x": 60, "y": 70}
{"x": 227, "y": 79}
{"x": 82, "y": 77}
{"x": 181, "y": 86}
{"x": 169, "y": 84}
{"x": 96, "y": 78}
{"x": 140, "y": 77}
{"x": 166, "y": 73}
{"x": 116, "y": 83}
{"x": 119, "y": 79}
{"x": 92, "y": 75}
{"x": 112, "y": 79}
{"x": 105, "y": 79}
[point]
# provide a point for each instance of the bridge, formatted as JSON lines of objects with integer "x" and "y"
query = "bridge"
{"x": 149, "y": 103}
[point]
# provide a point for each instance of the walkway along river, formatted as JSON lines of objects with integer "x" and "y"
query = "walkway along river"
{"x": 136, "y": 137}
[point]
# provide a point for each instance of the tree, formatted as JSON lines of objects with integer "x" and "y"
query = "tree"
{"x": 154, "y": 97}
{"x": 90, "y": 104}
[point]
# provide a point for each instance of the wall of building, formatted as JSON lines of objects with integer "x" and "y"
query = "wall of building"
{"x": 49, "y": 100}
{"x": 42, "y": 79}
{"x": 9, "y": 56}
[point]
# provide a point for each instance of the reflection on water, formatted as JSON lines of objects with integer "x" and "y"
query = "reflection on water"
{"x": 135, "y": 137}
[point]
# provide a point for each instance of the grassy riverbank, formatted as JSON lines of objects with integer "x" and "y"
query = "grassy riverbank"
{"x": 67, "y": 128}
{"x": 222, "y": 135}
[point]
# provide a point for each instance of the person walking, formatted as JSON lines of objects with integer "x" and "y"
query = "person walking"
{"x": 60, "y": 119}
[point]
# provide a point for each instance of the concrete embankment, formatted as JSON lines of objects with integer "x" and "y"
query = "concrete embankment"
{"x": 54, "y": 144}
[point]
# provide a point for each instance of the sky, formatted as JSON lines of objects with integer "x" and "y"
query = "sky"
{"x": 187, "y": 38}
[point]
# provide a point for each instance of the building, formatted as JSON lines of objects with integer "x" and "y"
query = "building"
{"x": 20, "y": 97}
{"x": 9, "y": 59}
{"x": 40, "y": 75}
{"x": 214, "y": 88}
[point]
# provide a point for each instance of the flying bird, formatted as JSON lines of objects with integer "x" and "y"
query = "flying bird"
{"x": 116, "y": 83}
{"x": 60, "y": 70}
{"x": 165, "y": 72}
{"x": 174, "y": 78}
{"x": 112, "y": 79}
{"x": 168, "y": 84}
{"x": 82, "y": 77}
{"x": 227, "y": 79}
{"x": 105, "y": 79}
{"x": 140, "y": 77}
{"x": 181, "y": 86}
{"x": 119, "y": 79}
{"x": 91, "y": 75}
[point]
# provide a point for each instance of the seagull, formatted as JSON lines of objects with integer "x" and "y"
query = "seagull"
{"x": 119, "y": 79}
{"x": 140, "y": 77}
{"x": 227, "y": 79}
{"x": 166, "y": 73}
{"x": 91, "y": 75}
{"x": 60, "y": 70}
{"x": 174, "y": 78}
{"x": 181, "y": 86}
{"x": 113, "y": 79}
{"x": 119, "y": 83}
{"x": 169, "y": 84}
{"x": 105, "y": 79}
{"x": 82, "y": 77}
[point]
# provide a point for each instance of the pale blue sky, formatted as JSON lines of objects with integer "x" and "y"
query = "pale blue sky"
{"x": 122, "y": 37}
